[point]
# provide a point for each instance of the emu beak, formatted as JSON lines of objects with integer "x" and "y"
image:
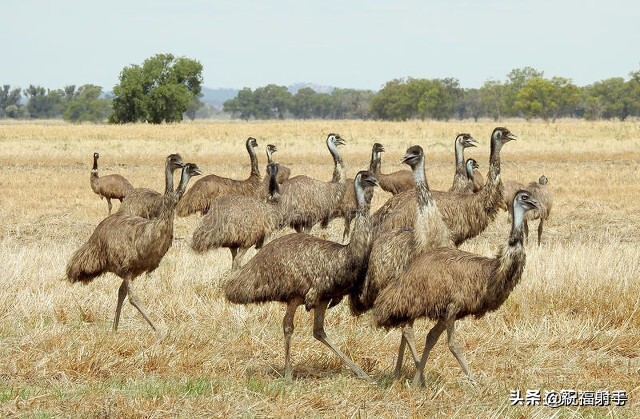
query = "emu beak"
{"x": 512, "y": 136}
{"x": 382, "y": 149}
{"x": 473, "y": 142}
{"x": 407, "y": 157}
{"x": 340, "y": 141}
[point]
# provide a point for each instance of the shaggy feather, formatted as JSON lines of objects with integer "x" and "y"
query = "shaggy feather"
{"x": 111, "y": 186}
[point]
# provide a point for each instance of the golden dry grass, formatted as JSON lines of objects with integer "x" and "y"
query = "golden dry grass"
{"x": 572, "y": 323}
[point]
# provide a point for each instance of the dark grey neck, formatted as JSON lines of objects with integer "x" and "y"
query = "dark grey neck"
{"x": 168, "y": 179}
{"x": 254, "y": 160}
{"x": 374, "y": 165}
{"x": 274, "y": 188}
{"x": 95, "y": 164}
{"x": 459, "y": 152}
{"x": 494, "y": 160}
{"x": 423, "y": 193}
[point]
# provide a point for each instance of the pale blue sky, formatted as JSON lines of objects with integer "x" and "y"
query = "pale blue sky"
{"x": 343, "y": 43}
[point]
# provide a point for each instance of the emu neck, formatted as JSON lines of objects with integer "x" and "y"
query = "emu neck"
{"x": 494, "y": 161}
{"x": 338, "y": 170}
{"x": 274, "y": 188}
{"x": 429, "y": 230}
{"x": 374, "y": 165}
{"x": 255, "y": 172}
{"x": 269, "y": 158}
{"x": 360, "y": 243}
{"x": 511, "y": 262}
{"x": 95, "y": 165}
{"x": 469, "y": 170}
{"x": 459, "y": 152}
{"x": 168, "y": 179}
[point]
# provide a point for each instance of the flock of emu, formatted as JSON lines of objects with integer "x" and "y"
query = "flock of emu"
{"x": 402, "y": 262}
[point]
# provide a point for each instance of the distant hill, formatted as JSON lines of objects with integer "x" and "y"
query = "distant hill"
{"x": 216, "y": 97}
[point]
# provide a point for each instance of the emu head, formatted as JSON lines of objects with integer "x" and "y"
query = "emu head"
{"x": 523, "y": 199}
{"x": 413, "y": 155}
{"x": 192, "y": 169}
{"x": 466, "y": 140}
{"x": 543, "y": 180}
{"x": 96, "y": 155}
{"x": 252, "y": 142}
{"x": 378, "y": 148}
{"x": 365, "y": 179}
{"x": 335, "y": 139}
{"x": 502, "y": 135}
{"x": 174, "y": 161}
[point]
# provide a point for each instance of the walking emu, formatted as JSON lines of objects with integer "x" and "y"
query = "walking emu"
{"x": 211, "y": 187}
{"x": 449, "y": 284}
{"x": 393, "y": 251}
{"x": 111, "y": 186}
{"x": 299, "y": 268}
{"x": 128, "y": 245}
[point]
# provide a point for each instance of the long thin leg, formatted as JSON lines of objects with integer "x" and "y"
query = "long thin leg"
{"x": 122, "y": 292}
{"x": 319, "y": 333}
{"x": 454, "y": 347}
{"x": 540, "y": 231}
{"x": 138, "y": 305}
{"x": 241, "y": 252}
{"x": 109, "y": 204}
{"x": 287, "y": 327}
{"x": 407, "y": 338}
{"x": 234, "y": 255}
{"x": 432, "y": 338}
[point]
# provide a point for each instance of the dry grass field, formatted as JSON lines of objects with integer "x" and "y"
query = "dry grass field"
{"x": 572, "y": 323}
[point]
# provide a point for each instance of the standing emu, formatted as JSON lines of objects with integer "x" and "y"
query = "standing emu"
{"x": 110, "y": 186}
{"x": 239, "y": 222}
{"x": 211, "y": 187}
{"x": 283, "y": 171}
{"x": 299, "y": 268}
{"x": 541, "y": 194}
{"x": 128, "y": 245}
{"x": 449, "y": 284}
{"x": 461, "y": 182}
{"x": 394, "y": 250}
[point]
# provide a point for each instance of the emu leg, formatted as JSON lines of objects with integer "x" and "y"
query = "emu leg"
{"x": 454, "y": 347}
{"x": 540, "y": 231}
{"x": 347, "y": 227}
{"x": 319, "y": 333}
{"x": 122, "y": 292}
{"x": 234, "y": 262}
{"x": 287, "y": 327}
{"x": 109, "y": 205}
{"x": 432, "y": 338}
{"x": 138, "y": 305}
{"x": 408, "y": 338}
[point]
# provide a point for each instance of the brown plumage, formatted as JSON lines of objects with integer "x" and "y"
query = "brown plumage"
{"x": 299, "y": 268}
{"x": 239, "y": 222}
{"x": 128, "y": 245}
{"x": 448, "y": 284}
{"x": 466, "y": 215}
{"x": 541, "y": 193}
{"x": 395, "y": 182}
{"x": 393, "y": 251}
{"x": 110, "y": 186}
{"x": 474, "y": 175}
{"x": 461, "y": 182}
{"x": 211, "y": 187}
{"x": 148, "y": 203}
{"x": 306, "y": 201}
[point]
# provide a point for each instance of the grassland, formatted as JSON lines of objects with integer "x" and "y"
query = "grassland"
{"x": 572, "y": 323}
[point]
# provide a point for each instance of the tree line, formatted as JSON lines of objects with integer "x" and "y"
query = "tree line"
{"x": 165, "y": 88}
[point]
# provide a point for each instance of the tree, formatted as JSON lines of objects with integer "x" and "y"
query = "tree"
{"x": 9, "y": 101}
{"x": 516, "y": 80}
{"x": 607, "y": 99}
{"x": 160, "y": 90}
{"x": 393, "y": 102}
{"x": 303, "y": 103}
{"x": 86, "y": 105}
{"x": 272, "y": 101}
{"x": 45, "y": 103}
{"x": 492, "y": 98}
{"x": 242, "y": 106}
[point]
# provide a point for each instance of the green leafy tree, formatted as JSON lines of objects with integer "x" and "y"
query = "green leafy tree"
{"x": 87, "y": 105}
{"x": 303, "y": 103}
{"x": 351, "y": 103}
{"x": 492, "y": 98}
{"x": 242, "y": 106}
{"x": 160, "y": 90}
{"x": 607, "y": 99}
{"x": 393, "y": 102}
{"x": 470, "y": 105}
{"x": 516, "y": 80}
{"x": 272, "y": 101}
{"x": 10, "y": 101}
{"x": 45, "y": 103}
